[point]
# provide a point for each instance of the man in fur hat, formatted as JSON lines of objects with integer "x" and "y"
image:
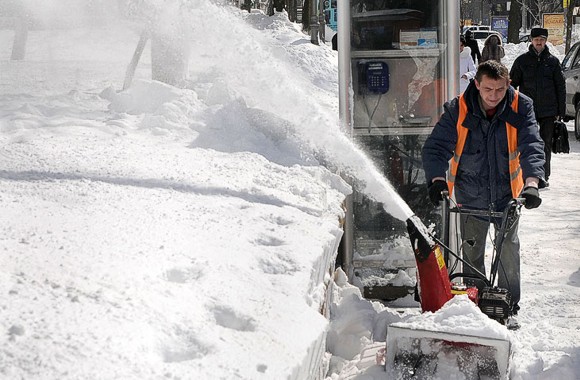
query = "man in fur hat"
{"x": 538, "y": 74}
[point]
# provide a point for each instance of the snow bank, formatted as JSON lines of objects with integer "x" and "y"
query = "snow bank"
{"x": 160, "y": 232}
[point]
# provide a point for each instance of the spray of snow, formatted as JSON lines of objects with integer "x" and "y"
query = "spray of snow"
{"x": 247, "y": 64}
{"x": 247, "y": 67}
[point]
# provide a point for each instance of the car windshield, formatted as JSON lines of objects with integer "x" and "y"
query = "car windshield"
{"x": 567, "y": 61}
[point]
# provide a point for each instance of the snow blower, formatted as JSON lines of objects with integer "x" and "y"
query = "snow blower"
{"x": 421, "y": 350}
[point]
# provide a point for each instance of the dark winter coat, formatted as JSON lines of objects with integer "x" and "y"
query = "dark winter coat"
{"x": 473, "y": 45}
{"x": 492, "y": 49}
{"x": 483, "y": 179}
{"x": 540, "y": 77}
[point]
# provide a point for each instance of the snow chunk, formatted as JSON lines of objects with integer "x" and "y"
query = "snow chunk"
{"x": 458, "y": 316}
{"x": 144, "y": 96}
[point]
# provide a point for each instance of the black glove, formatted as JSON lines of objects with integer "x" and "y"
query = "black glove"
{"x": 435, "y": 190}
{"x": 532, "y": 197}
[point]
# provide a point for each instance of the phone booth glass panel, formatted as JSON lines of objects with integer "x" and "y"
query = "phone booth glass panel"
{"x": 396, "y": 54}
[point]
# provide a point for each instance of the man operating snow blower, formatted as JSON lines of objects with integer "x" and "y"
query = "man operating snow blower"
{"x": 491, "y": 136}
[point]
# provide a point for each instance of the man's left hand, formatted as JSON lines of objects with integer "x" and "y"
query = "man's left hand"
{"x": 532, "y": 197}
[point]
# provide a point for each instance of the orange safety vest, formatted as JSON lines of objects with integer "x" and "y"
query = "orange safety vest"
{"x": 516, "y": 177}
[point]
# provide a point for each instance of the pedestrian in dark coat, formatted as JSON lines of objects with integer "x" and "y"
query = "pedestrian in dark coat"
{"x": 483, "y": 180}
{"x": 492, "y": 49}
{"x": 538, "y": 74}
{"x": 473, "y": 45}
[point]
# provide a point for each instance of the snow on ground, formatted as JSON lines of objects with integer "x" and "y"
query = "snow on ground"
{"x": 176, "y": 233}
{"x": 160, "y": 232}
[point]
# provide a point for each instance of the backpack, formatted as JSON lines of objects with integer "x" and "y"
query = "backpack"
{"x": 560, "y": 142}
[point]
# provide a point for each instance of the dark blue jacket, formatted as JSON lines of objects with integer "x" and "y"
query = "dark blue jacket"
{"x": 483, "y": 179}
{"x": 540, "y": 77}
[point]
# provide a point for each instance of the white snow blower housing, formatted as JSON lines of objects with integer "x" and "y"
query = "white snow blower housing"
{"x": 456, "y": 342}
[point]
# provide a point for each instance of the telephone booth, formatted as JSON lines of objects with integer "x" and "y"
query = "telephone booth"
{"x": 330, "y": 14}
{"x": 398, "y": 64}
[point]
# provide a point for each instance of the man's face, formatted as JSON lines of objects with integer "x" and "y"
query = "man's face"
{"x": 492, "y": 91}
{"x": 539, "y": 43}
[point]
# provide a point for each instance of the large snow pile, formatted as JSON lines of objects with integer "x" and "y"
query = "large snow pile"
{"x": 163, "y": 232}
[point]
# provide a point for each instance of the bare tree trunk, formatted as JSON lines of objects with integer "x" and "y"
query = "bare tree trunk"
{"x": 20, "y": 38}
{"x": 515, "y": 23}
{"x": 279, "y": 5}
{"x": 270, "y": 8}
{"x": 313, "y": 22}
{"x": 569, "y": 17}
{"x": 321, "y": 22}
{"x": 247, "y": 5}
{"x": 291, "y": 6}
{"x": 306, "y": 15}
{"x": 135, "y": 60}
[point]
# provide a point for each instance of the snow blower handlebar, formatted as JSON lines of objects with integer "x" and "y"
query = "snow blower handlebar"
{"x": 509, "y": 217}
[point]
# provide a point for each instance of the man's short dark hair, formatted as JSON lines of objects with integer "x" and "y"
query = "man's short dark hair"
{"x": 492, "y": 69}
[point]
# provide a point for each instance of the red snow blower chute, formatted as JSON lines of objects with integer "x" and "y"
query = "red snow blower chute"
{"x": 411, "y": 351}
{"x": 434, "y": 285}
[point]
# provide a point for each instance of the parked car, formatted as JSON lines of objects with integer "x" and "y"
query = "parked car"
{"x": 474, "y": 28}
{"x": 571, "y": 70}
{"x": 483, "y": 34}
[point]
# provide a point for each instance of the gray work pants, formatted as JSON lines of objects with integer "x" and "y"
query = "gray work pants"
{"x": 474, "y": 234}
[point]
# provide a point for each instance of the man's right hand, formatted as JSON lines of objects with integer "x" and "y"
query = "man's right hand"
{"x": 435, "y": 190}
{"x": 532, "y": 197}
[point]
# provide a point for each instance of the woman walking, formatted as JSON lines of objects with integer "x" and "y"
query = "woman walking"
{"x": 466, "y": 65}
{"x": 492, "y": 49}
